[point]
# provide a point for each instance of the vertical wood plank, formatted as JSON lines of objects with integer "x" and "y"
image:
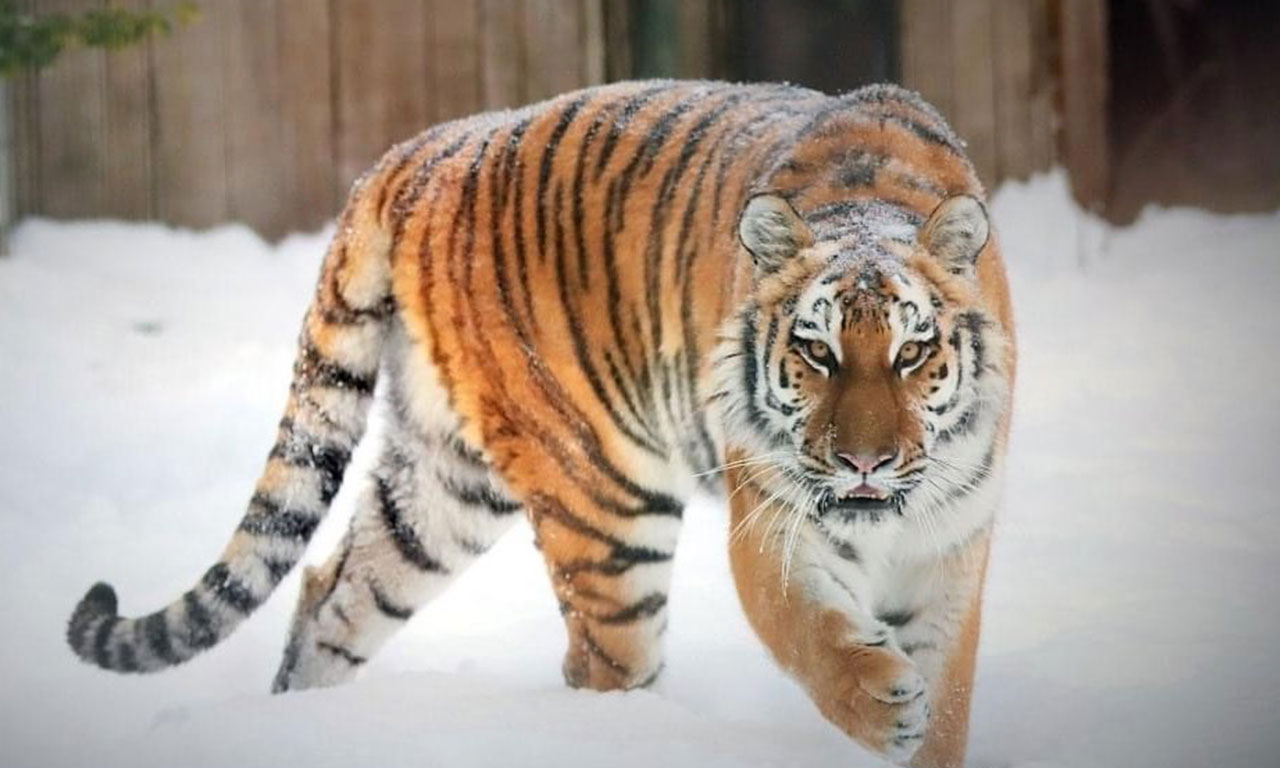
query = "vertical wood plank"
{"x": 6, "y": 166}
{"x": 593, "y": 42}
{"x": 619, "y": 58}
{"x": 26, "y": 143}
{"x": 695, "y": 49}
{"x": 26, "y": 130}
{"x": 1044, "y": 87}
{"x": 1083, "y": 29}
{"x": 502, "y": 58}
{"x": 974, "y": 95}
{"x": 554, "y": 54}
{"x": 72, "y": 126}
{"x": 127, "y": 139}
{"x": 726, "y": 39}
{"x": 310, "y": 188}
{"x": 255, "y": 166}
{"x": 189, "y": 155}
{"x": 925, "y": 29}
{"x": 455, "y": 43}
{"x": 381, "y": 54}
{"x": 1012, "y": 54}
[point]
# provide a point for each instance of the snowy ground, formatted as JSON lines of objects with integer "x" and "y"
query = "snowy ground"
{"x": 1131, "y": 612}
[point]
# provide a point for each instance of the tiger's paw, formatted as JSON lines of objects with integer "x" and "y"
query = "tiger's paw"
{"x": 622, "y": 666}
{"x": 881, "y": 700}
{"x": 590, "y": 668}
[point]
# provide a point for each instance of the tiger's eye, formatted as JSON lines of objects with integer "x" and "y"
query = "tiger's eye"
{"x": 818, "y": 350}
{"x": 910, "y": 353}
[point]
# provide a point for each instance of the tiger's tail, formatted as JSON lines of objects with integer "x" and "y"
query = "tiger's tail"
{"x": 339, "y": 351}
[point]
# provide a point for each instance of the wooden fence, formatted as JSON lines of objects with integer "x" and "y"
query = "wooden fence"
{"x": 264, "y": 111}
{"x": 988, "y": 65}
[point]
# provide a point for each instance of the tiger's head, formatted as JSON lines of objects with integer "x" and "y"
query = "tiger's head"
{"x": 862, "y": 376}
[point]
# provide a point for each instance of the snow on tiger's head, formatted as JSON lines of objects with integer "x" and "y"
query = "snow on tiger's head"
{"x": 861, "y": 376}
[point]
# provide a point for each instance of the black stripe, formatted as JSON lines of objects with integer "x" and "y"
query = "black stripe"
{"x": 620, "y": 124}
{"x": 613, "y": 291}
{"x": 267, "y": 518}
{"x": 897, "y": 618}
{"x": 644, "y": 608}
{"x": 407, "y": 198}
{"x": 751, "y": 368}
{"x": 470, "y": 546}
{"x": 913, "y": 648}
{"x": 622, "y": 556}
{"x": 578, "y": 202}
{"x": 508, "y": 165}
{"x": 277, "y": 568}
{"x": 101, "y": 641}
{"x": 156, "y": 629}
{"x": 341, "y": 653}
{"x": 522, "y": 258}
{"x": 770, "y": 397}
{"x": 336, "y": 310}
{"x": 510, "y": 178}
{"x": 544, "y": 171}
{"x": 964, "y": 424}
{"x": 402, "y": 534}
{"x": 478, "y": 495}
{"x": 974, "y": 322}
{"x": 200, "y": 631}
{"x": 388, "y": 607}
{"x": 330, "y": 461}
{"x": 314, "y": 369}
{"x": 402, "y": 153}
{"x": 230, "y": 591}
{"x": 622, "y": 386}
{"x": 467, "y": 222}
{"x": 465, "y": 453}
{"x": 126, "y": 659}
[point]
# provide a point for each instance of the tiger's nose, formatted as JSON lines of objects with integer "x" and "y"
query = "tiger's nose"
{"x": 864, "y": 463}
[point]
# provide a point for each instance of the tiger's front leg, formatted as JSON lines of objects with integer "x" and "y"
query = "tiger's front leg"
{"x": 894, "y": 673}
{"x": 610, "y": 567}
{"x": 822, "y": 632}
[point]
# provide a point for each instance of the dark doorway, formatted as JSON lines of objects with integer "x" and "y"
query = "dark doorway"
{"x": 830, "y": 45}
{"x": 1195, "y": 105}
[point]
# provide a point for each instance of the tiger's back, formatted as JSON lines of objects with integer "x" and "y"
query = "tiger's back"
{"x": 569, "y": 265}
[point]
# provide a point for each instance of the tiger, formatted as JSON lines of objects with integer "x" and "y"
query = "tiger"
{"x": 582, "y": 312}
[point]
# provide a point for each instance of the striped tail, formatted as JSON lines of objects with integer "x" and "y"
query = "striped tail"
{"x": 333, "y": 381}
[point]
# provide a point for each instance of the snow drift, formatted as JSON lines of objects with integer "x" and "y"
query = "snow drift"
{"x": 1130, "y": 615}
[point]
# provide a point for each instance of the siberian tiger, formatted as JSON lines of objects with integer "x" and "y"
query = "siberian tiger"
{"x": 578, "y": 312}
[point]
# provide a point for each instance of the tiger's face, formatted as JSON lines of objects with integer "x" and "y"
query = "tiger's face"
{"x": 861, "y": 376}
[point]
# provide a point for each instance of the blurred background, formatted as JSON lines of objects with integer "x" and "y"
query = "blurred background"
{"x": 264, "y": 111}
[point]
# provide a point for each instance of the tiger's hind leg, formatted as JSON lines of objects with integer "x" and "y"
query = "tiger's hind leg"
{"x": 610, "y": 567}
{"x": 432, "y": 506}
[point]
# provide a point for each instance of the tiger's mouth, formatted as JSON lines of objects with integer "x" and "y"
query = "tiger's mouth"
{"x": 861, "y": 501}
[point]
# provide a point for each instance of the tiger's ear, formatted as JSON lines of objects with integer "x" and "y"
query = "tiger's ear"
{"x": 956, "y": 232}
{"x": 772, "y": 231}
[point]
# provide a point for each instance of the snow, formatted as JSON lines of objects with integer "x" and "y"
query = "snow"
{"x": 1130, "y": 612}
